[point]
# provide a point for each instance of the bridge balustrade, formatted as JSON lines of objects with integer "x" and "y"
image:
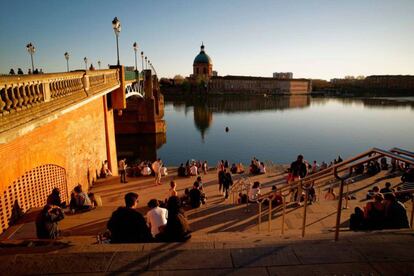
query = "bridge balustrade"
{"x": 18, "y": 93}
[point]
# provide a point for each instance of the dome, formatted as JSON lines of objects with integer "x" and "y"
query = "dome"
{"x": 202, "y": 57}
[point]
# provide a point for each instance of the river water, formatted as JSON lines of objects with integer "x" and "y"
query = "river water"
{"x": 274, "y": 128}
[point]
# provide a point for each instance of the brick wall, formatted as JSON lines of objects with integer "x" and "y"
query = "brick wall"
{"x": 76, "y": 141}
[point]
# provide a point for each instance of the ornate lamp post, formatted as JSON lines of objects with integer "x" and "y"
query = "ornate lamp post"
{"x": 67, "y": 60}
{"x": 146, "y": 63}
{"x": 31, "y": 49}
{"x": 99, "y": 64}
{"x": 142, "y": 60}
{"x": 116, "y": 25}
{"x": 86, "y": 63}
{"x": 135, "y": 46}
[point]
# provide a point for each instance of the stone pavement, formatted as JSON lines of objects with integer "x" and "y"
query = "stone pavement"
{"x": 382, "y": 253}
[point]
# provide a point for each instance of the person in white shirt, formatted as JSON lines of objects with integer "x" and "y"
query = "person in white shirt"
{"x": 156, "y": 217}
{"x": 156, "y": 167}
{"x": 262, "y": 168}
{"x": 193, "y": 170}
{"x": 146, "y": 170}
{"x": 254, "y": 192}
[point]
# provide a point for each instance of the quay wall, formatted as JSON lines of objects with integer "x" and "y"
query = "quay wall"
{"x": 61, "y": 153}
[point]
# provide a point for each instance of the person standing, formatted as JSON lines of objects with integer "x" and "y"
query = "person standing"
{"x": 227, "y": 182}
{"x": 156, "y": 167}
{"x": 299, "y": 171}
{"x": 205, "y": 167}
{"x": 122, "y": 170}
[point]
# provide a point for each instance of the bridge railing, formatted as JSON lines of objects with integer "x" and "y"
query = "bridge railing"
{"x": 21, "y": 92}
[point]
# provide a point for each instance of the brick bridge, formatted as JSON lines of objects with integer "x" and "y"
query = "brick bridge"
{"x": 57, "y": 129}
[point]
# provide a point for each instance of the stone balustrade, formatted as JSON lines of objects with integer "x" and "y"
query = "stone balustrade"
{"x": 21, "y": 92}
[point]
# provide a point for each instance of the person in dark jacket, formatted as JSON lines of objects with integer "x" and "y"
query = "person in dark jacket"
{"x": 127, "y": 225}
{"x": 395, "y": 213}
{"x": 47, "y": 222}
{"x": 54, "y": 198}
{"x": 227, "y": 182}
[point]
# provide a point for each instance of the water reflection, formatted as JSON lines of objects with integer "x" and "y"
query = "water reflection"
{"x": 204, "y": 106}
{"x": 139, "y": 146}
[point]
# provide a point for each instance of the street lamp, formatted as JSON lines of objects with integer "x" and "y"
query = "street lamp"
{"x": 31, "y": 49}
{"x": 99, "y": 64}
{"x": 67, "y": 60}
{"x": 135, "y": 46}
{"x": 146, "y": 63}
{"x": 142, "y": 60}
{"x": 116, "y": 25}
{"x": 86, "y": 63}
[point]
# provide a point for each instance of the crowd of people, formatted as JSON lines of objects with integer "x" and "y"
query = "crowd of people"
{"x": 192, "y": 168}
{"x": 384, "y": 211}
{"x": 29, "y": 71}
{"x": 165, "y": 220}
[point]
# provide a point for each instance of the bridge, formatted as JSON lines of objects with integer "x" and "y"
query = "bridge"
{"x": 57, "y": 129}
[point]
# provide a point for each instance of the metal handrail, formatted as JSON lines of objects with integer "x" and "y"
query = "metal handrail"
{"x": 348, "y": 164}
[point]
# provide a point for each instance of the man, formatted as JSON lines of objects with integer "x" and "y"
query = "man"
{"x": 195, "y": 196}
{"x": 122, "y": 170}
{"x": 127, "y": 225}
{"x": 156, "y": 217}
{"x": 227, "y": 182}
{"x": 200, "y": 183}
{"x": 299, "y": 171}
{"x": 387, "y": 189}
{"x": 156, "y": 167}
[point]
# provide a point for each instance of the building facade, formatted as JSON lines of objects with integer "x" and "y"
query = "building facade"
{"x": 283, "y": 75}
{"x": 259, "y": 85}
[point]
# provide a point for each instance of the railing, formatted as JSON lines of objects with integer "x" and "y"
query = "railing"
{"x": 22, "y": 92}
{"x": 133, "y": 87}
{"x": 309, "y": 182}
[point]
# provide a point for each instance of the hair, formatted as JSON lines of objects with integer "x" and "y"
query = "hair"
{"x": 78, "y": 188}
{"x": 173, "y": 205}
{"x": 378, "y": 197}
{"x": 375, "y": 189}
{"x": 300, "y": 156}
{"x": 130, "y": 199}
{"x": 274, "y": 188}
{"x": 196, "y": 184}
{"x": 55, "y": 191}
{"x": 256, "y": 184}
{"x": 172, "y": 183}
{"x": 389, "y": 196}
{"x": 199, "y": 178}
{"x": 153, "y": 203}
{"x": 186, "y": 191}
{"x": 387, "y": 184}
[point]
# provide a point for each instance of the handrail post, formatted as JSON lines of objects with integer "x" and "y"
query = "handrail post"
{"x": 338, "y": 214}
{"x": 283, "y": 214}
{"x": 347, "y": 195}
{"x": 412, "y": 211}
{"x": 304, "y": 213}
{"x": 270, "y": 215}
{"x": 260, "y": 215}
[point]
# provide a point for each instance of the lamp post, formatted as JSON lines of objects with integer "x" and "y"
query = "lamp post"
{"x": 67, "y": 60}
{"x": 135, "y": 46}
{"x": 31, "y": 49}
{"x": 142, "y": 60}
{"x": 146, "y": 63}
{"x": 116, "y": 25}
{"x": 86, "y": 63}
{"x": 99, "y": 64}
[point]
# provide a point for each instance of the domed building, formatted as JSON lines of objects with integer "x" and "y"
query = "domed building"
{"x": 202, "y": 65}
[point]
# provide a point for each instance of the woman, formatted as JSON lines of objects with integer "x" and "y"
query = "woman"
{"x": 375, "y": 212}
{"x": 177, "y": 229}
{"x": 172, "y": 191}
{"x": 254, "y": 192}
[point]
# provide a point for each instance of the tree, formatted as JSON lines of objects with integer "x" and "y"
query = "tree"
{"x": 178, "y": 79}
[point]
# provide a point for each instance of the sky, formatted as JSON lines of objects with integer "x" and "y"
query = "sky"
{"x": 313, "y": 39}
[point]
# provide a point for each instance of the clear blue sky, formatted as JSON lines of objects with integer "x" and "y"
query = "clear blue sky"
{"x": 317, "y": 39}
